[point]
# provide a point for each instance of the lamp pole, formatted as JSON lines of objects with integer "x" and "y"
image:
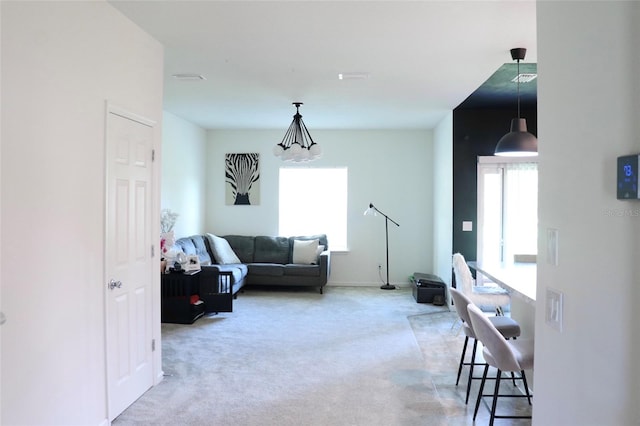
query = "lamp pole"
{"x": 386, "y": 286}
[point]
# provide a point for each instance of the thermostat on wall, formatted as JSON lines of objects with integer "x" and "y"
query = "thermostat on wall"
{"x": 628, "y": 177}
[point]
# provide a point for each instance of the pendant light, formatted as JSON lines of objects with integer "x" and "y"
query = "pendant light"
{"x": 518, "y": 142}
{"x": 297, "y": 145}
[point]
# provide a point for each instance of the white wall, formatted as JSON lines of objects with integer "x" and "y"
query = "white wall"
{"x": 392, "y": 169}
{"x": 443, "y": 198}
{"x": 60, "y": 62}
{"x": 184, "y": 173}
{"x": 1, "y": 312}
{"x": 588, "y": 109}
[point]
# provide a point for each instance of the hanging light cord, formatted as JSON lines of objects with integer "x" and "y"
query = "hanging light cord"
{"x": 518, "y": 86}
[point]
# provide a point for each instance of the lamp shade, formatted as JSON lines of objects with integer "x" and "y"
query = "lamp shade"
{"x": 371, "y": 211}
{"x": 518, "y": 142}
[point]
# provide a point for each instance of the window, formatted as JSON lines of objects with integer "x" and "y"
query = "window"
{"x": 314, "y": 201}
{"x": 507, "y": 208}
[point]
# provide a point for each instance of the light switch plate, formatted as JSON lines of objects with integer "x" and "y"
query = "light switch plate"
{"x": 467, "y": 225}
{"x": 553, "y": 308}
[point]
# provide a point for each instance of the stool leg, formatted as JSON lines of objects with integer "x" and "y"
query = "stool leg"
{"x": 471, "y": 366}
{"x": 526, "y": 387}
{"x": 495, "y": 398}
{"x": 513, "y": 376}
{"x": 484, "y": 377}
{"x": 464, "y": 350}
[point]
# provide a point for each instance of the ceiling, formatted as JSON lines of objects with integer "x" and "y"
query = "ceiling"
{"x": 501, "y": 91}
{"x": 419, "y": 59}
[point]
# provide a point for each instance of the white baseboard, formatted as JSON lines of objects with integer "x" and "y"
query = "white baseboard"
{"x": 367, "y": 284}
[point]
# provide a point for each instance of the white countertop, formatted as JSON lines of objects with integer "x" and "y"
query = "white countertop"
{"x": 519, "y": 278}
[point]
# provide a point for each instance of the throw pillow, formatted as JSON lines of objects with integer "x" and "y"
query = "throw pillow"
{"x": 222, "y": 251}
{"x": 304, "y": 251}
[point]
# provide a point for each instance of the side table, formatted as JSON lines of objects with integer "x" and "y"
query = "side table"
{"x": 180, "y": 301}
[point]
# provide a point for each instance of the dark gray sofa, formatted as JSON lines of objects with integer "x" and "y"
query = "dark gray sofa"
{"x": 265, "y": 260}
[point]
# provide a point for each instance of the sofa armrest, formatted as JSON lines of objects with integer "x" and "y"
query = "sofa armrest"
{"x": 216, "y": 289}
{"x": 325, "y": 265}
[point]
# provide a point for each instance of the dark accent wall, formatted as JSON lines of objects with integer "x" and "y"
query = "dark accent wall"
{"x": 476, "y": 133}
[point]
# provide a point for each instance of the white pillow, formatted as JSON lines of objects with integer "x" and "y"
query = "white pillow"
{"x": 222, "y": 251}
{"x": 304, "y": 251}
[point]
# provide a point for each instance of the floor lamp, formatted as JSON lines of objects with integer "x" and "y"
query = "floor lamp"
{"x": 372, "y": 210}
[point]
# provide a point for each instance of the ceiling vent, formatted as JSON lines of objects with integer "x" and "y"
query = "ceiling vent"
{"x": 525, "y": 78}
{"x": 353, "y": 76}
{"x": 189, "y": 77}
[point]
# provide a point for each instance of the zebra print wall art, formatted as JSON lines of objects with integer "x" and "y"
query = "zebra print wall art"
{"x": 242, "y": 179}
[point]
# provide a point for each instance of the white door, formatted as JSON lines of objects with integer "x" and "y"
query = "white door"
{"x": 128, "y": 273}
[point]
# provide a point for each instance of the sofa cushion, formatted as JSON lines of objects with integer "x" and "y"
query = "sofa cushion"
{"x": 270, "y": 269}
{"x": 322, "y": 240}
{"x": 186, "y": 245}
{"x": 305, "y": 251}
{"x": 272, "y": 250}
{"x": 243, "y": 246}
{"x": 201, "y": 249}
{"x": 302, "y": 270}
{"x": 222, "y": 251}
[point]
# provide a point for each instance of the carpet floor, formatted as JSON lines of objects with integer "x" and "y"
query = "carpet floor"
{"x": 353, "y": 356}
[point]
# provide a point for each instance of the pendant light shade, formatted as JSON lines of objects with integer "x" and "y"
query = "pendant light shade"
{"x": 518, "y": 142}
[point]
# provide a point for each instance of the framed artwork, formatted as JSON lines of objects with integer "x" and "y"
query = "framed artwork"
{"x": 192, "y": 264}
{"x": 242, "y": 179}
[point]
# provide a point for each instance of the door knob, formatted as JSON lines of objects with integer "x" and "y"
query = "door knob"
{"x": 114, "y": 284}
